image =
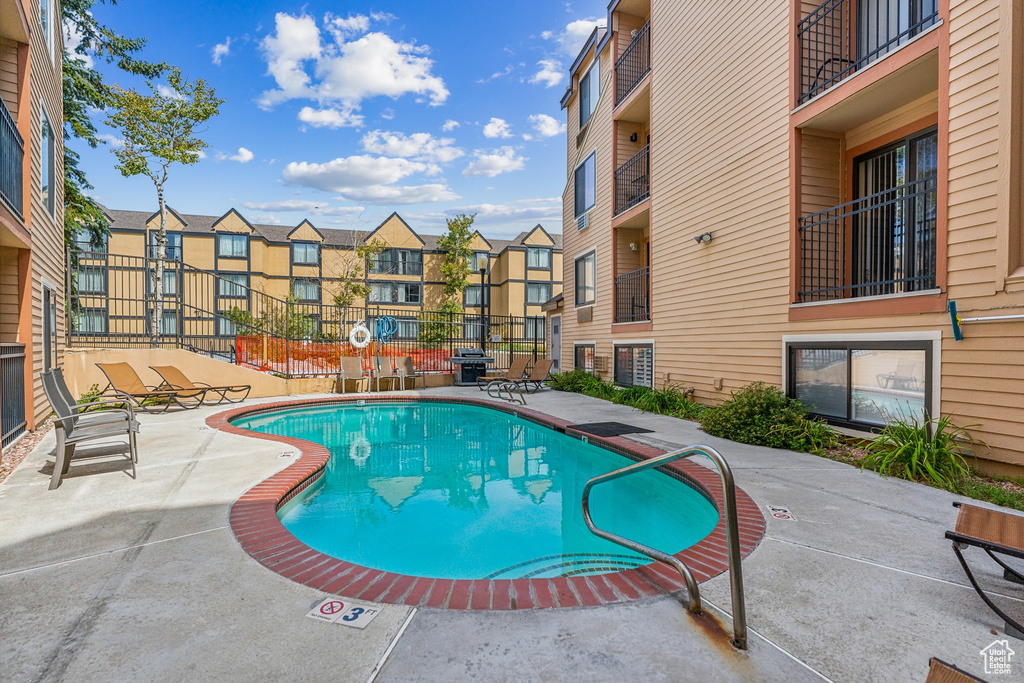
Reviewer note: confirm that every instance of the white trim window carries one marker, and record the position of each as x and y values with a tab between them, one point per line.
590	91
585	185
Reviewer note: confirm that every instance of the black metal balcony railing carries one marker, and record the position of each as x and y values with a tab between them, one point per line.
388	267
633	181
842	36
12	398
632	296
12	153
883	243
633	65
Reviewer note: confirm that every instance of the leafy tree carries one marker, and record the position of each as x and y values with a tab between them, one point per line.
351	284
84	90
160	130
458	256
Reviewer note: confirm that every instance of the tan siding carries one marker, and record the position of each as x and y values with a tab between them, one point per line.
9	75
9	307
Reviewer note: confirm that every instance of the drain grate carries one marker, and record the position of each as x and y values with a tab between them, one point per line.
609	428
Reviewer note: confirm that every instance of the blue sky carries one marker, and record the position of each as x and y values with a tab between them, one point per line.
345	113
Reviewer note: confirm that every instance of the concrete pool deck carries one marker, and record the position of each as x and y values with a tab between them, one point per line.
107	578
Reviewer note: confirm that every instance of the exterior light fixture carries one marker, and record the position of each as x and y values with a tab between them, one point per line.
632	246
632	137
702	238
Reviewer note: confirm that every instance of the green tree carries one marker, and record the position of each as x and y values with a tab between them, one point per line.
84	91
351	284
160	130
458	256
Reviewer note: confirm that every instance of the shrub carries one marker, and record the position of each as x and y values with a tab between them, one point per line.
933	450
582	382
92	394
761	415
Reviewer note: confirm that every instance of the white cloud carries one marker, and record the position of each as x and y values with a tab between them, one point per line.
342	73
330	118
72	39
524	210
399	194
388	114
497	128
570	40
354	24
418	146
355	171
547	126
115	141
221	50
201	154
550	73
500	161
266	218
450	125
244	156
168	91
305	206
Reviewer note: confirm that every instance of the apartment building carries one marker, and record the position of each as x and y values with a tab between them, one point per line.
31	210
795	193
311	265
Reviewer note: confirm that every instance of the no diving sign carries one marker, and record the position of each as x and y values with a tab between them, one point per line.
779	512
335	611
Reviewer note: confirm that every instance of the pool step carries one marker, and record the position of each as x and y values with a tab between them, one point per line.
573	564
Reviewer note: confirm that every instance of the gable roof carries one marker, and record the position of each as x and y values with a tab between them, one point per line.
394	214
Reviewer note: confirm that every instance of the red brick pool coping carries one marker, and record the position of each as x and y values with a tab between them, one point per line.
254	522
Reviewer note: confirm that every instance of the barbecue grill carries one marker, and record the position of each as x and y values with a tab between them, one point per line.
472	365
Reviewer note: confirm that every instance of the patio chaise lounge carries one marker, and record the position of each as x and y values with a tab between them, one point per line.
73	426
175	379
125	383
941	672
505	388
515	371
997	533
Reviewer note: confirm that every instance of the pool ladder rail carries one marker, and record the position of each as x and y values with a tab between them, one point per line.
739	614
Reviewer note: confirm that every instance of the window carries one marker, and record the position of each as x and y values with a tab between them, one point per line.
472	295
538	257
395	293
92	321
398	262
883	25
408	329
586	277
305	254
47	187
173	245
584	357
472	328
863	384
232	285
226	326
92	280
590	91
634	366
481	259
169	322
49	328
47	23
585	186
233	246
83	242
537	293
536	328
306	290
170	281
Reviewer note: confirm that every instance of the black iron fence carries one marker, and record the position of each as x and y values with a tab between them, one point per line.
840	37
883	243
633	181
112	305
633	296
633	64
12	153
12	398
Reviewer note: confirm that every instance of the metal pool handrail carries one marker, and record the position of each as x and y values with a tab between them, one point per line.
739	613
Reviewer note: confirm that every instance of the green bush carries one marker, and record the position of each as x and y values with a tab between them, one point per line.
933	450
668	401
582	382
760	414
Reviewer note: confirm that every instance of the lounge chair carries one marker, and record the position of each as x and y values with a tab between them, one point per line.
516	371
997	533
903	377
508	389
941	672
125	383
73	427
173	378
407	370
385	372
351	371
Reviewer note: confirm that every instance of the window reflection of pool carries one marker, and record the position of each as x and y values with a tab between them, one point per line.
878	406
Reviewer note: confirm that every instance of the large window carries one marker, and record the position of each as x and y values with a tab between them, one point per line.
538	257
226	326
47	187
586	279
84	242
232	285
583	357
590	91
232	246
169	322
398	262
634	366
473	295
305	253
863	384
170	281
92	321
306	290
92	280
884	25
585	185
537	293
173	245
395	293
536	328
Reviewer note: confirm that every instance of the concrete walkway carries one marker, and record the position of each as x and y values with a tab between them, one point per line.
107	578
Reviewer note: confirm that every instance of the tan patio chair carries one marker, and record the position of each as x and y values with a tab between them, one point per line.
407	370
941	672
351	371
385	372
125	383
516	371
175	379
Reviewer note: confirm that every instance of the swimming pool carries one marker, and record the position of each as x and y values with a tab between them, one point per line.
454	491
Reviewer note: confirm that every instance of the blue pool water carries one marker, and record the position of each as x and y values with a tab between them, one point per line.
456	491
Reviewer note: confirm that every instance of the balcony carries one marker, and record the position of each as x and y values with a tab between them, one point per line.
841	37
633	64
389	267
632	296
12	153
633	181
878	245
